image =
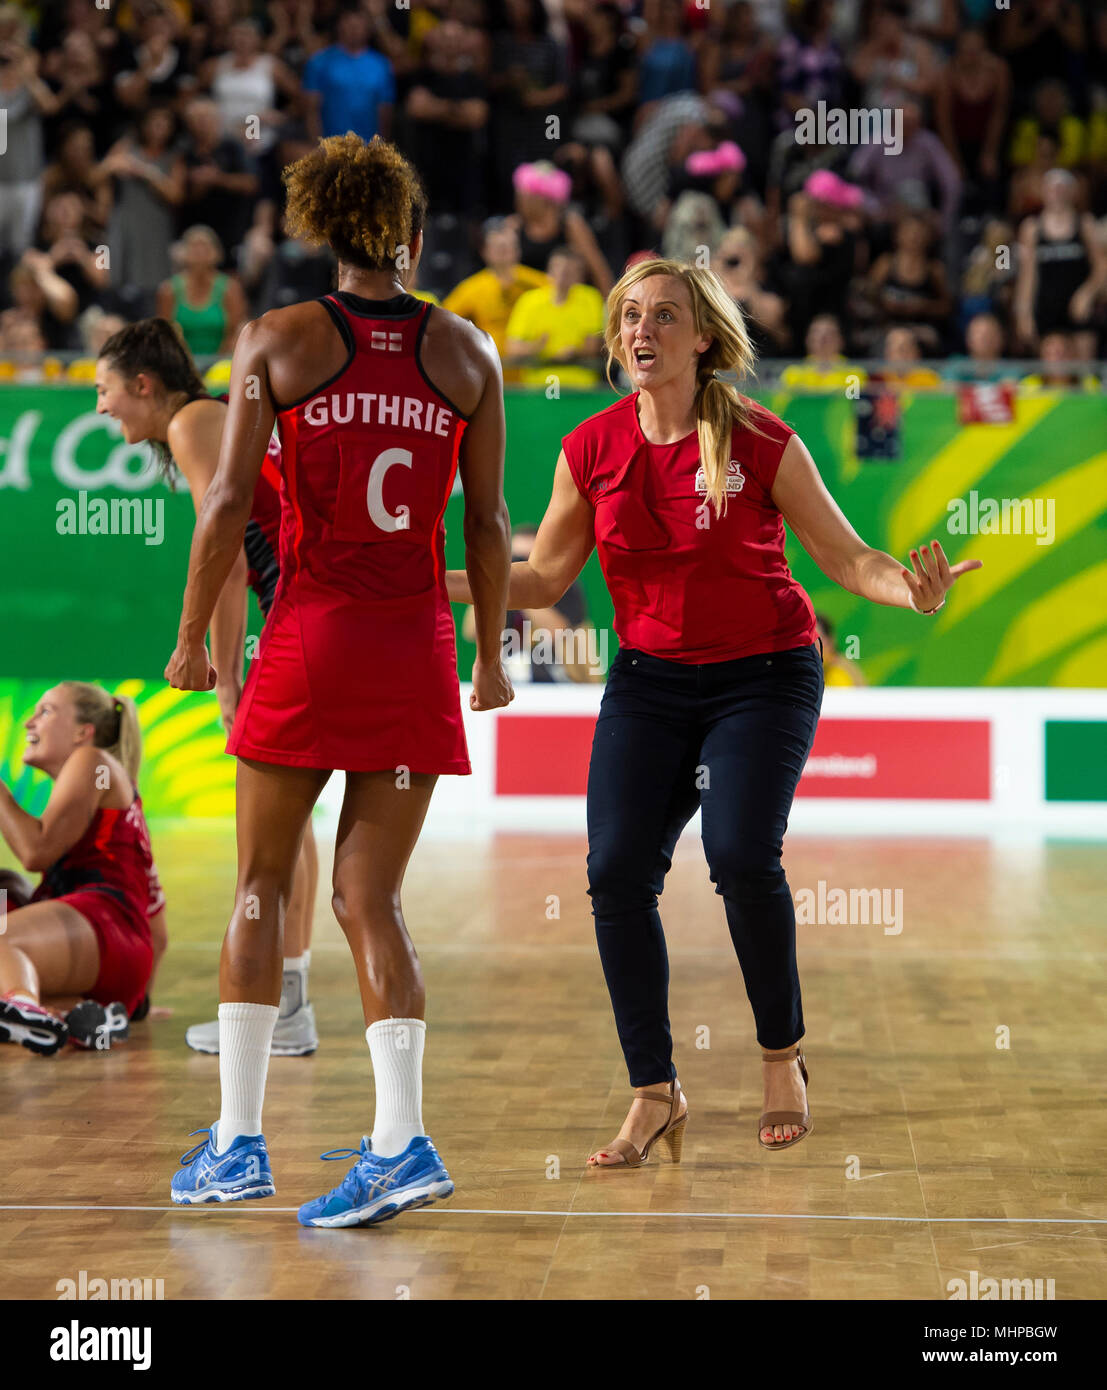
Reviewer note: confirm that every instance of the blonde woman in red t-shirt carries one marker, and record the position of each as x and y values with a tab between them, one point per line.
713	698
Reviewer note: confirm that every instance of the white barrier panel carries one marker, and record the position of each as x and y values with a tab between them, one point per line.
885	761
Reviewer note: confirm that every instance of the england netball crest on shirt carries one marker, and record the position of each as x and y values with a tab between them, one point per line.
735	479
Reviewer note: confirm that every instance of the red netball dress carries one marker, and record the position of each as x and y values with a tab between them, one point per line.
357	665
688	585
110	878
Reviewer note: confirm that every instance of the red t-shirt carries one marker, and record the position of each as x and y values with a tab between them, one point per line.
688	585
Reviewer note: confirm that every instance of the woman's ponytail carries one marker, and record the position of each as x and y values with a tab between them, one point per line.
128	746
114	720
718	408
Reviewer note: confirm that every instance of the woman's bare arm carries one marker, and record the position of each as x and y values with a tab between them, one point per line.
563	544
1026	279
159	940
221	523
1097	255
39	841
583	240
166	301
824	532
487	526
235	308
803	245
194	438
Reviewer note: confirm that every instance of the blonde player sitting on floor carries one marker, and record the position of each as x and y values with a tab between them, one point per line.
94	928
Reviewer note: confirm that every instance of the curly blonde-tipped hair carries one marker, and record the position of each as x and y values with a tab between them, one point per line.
719	405
363	200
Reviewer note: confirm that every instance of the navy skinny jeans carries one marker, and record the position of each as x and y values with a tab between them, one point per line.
730	737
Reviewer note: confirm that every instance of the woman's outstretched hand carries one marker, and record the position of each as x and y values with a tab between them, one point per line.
934	576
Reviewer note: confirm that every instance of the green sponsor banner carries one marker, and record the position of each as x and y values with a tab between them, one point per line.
1075	760
76	598
95	546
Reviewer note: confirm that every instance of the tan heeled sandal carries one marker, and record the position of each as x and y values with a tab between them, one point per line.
672	1132
770	1118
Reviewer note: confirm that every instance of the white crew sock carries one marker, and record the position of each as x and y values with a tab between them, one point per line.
396	1047
294	984
245	1036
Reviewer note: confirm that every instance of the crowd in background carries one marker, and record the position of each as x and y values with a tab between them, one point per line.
557	140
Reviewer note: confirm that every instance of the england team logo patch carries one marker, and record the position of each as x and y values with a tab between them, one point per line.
735	479
381	341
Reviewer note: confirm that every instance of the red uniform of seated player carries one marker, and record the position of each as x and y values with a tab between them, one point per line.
94	928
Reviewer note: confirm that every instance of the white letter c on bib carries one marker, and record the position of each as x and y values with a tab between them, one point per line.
382	517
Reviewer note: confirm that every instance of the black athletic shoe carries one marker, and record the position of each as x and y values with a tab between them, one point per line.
142	1010
36	1028
97	1027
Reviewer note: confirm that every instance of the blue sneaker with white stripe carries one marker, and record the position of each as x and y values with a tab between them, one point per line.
240	1173
377	1189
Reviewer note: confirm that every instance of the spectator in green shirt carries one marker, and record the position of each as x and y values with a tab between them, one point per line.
209	306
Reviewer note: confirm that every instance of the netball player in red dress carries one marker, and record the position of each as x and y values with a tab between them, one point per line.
379	400
713	697
95	925
146	379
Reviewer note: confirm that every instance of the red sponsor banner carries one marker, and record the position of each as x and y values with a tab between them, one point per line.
887	759
900	759
543	754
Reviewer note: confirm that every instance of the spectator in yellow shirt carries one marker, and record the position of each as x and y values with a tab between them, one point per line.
824	368
1058	348
559	323
901	347
488	297
1051	115
837	669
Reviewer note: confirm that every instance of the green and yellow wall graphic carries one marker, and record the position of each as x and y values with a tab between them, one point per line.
185	772
105	606
1036	614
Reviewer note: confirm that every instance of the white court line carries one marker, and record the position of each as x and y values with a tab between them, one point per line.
676	1215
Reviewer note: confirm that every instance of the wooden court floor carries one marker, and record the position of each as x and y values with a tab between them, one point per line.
935	1154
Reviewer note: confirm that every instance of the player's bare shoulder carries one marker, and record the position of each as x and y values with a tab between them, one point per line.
305	323
299	347
458	357
195	425
197	414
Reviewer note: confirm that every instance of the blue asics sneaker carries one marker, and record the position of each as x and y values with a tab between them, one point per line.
242	1172
376	1189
